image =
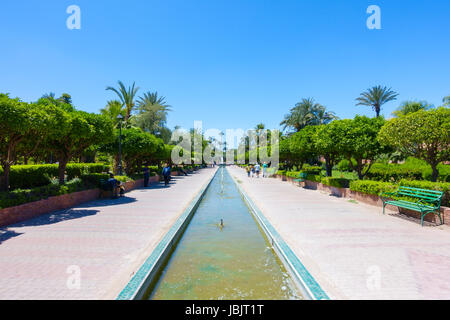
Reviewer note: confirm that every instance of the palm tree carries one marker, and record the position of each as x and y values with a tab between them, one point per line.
113	109
375	97
307	112
152	114
322	116
446	101
126	96
410	107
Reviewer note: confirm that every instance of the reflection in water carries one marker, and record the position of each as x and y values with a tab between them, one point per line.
228	261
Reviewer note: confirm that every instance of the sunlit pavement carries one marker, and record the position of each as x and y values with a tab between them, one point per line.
352	250
91	252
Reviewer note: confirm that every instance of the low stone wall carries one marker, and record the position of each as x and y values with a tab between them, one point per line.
30	210
367	198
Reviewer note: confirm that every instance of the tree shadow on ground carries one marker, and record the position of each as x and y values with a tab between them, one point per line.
107	202
6	234
56	217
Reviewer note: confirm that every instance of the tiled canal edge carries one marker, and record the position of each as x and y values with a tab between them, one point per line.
137	286
309	285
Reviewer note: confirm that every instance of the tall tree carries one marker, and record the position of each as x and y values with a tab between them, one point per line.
126	96
359	142
307	112
410	107
112	110
21	124
152	116
422	134
375	97
446	101
75	132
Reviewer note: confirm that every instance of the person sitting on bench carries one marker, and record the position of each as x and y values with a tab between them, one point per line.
115	186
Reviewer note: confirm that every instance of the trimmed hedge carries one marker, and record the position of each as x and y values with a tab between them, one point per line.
312	170
372	187
21	196
410	171
376	187
292	174
336	182
31	176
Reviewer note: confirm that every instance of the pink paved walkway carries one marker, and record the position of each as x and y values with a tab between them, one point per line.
352	250
105	240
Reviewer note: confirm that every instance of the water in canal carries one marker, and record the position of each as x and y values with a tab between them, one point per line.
231	263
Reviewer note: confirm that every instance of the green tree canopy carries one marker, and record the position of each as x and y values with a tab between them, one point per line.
422	134
359	141
21	124
302	145
408	107
73	133
307	112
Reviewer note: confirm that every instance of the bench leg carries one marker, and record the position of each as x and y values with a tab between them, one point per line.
439	215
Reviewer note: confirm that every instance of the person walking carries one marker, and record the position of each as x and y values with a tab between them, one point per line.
146	176
248	170
257	169
252	169
166	174
265	166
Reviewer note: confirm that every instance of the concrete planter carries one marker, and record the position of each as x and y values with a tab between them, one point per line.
33	209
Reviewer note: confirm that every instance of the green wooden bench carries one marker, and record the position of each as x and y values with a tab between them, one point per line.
301	177
429	201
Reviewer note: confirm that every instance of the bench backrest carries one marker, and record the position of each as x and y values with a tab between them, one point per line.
425	194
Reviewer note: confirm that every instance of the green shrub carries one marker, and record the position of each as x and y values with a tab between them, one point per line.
336	182
292	174
312	170
344	165
439	186
314	177
372	187
411	170
77	169
281	172
94	179
31	176
21	196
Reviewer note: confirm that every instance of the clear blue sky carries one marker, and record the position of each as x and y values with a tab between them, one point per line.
230	63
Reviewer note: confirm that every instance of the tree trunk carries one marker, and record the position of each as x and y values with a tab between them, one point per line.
62	170
435	174
329	166
5	179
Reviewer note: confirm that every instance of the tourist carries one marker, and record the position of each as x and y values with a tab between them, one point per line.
252	169
146	176
248	170
166	174
113	186
265	170
257	169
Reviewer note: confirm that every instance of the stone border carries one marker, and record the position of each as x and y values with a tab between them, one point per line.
368	199
304	280
138	285
30	210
